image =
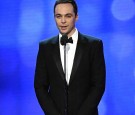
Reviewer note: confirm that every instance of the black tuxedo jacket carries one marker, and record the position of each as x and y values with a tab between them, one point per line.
87	80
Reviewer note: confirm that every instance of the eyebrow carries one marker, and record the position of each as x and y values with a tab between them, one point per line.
64	14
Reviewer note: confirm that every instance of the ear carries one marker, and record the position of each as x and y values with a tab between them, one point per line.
76	18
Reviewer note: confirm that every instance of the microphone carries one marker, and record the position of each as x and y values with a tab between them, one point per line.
64	39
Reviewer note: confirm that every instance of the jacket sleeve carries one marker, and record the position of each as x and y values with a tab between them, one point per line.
41	85
89	106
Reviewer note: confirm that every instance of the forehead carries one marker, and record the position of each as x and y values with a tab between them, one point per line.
64	8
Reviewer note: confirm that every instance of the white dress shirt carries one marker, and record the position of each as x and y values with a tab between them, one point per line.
70	54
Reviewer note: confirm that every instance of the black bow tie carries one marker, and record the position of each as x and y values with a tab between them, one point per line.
70	40
64	40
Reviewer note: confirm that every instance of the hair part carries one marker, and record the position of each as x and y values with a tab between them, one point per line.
67	1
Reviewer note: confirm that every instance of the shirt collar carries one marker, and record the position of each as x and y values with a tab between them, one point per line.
74	36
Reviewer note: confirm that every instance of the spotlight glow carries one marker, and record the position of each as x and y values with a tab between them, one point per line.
123	9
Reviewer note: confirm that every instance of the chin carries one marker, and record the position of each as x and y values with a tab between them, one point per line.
63	32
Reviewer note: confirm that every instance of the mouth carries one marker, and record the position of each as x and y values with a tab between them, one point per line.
63	27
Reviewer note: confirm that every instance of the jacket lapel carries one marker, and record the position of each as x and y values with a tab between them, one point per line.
57	58
78	56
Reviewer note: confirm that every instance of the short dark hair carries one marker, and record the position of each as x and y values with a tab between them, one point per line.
67	1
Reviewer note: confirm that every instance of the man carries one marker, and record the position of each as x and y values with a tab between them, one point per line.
85	73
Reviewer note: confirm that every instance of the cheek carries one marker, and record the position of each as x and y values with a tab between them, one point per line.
72	22
57	22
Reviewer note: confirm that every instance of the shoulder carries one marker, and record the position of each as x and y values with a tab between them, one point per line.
90	39
49	41
93	43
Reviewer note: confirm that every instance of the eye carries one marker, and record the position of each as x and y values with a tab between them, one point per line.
68	16
58	16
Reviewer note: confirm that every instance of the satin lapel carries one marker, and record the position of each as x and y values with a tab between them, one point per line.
57	59
78	56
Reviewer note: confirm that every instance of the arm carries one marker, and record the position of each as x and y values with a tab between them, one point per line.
41	84
97	81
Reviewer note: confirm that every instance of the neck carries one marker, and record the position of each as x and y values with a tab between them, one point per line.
71	33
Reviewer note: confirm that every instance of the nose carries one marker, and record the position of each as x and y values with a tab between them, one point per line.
63	20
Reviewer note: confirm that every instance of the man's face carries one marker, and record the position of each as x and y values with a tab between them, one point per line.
65	18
